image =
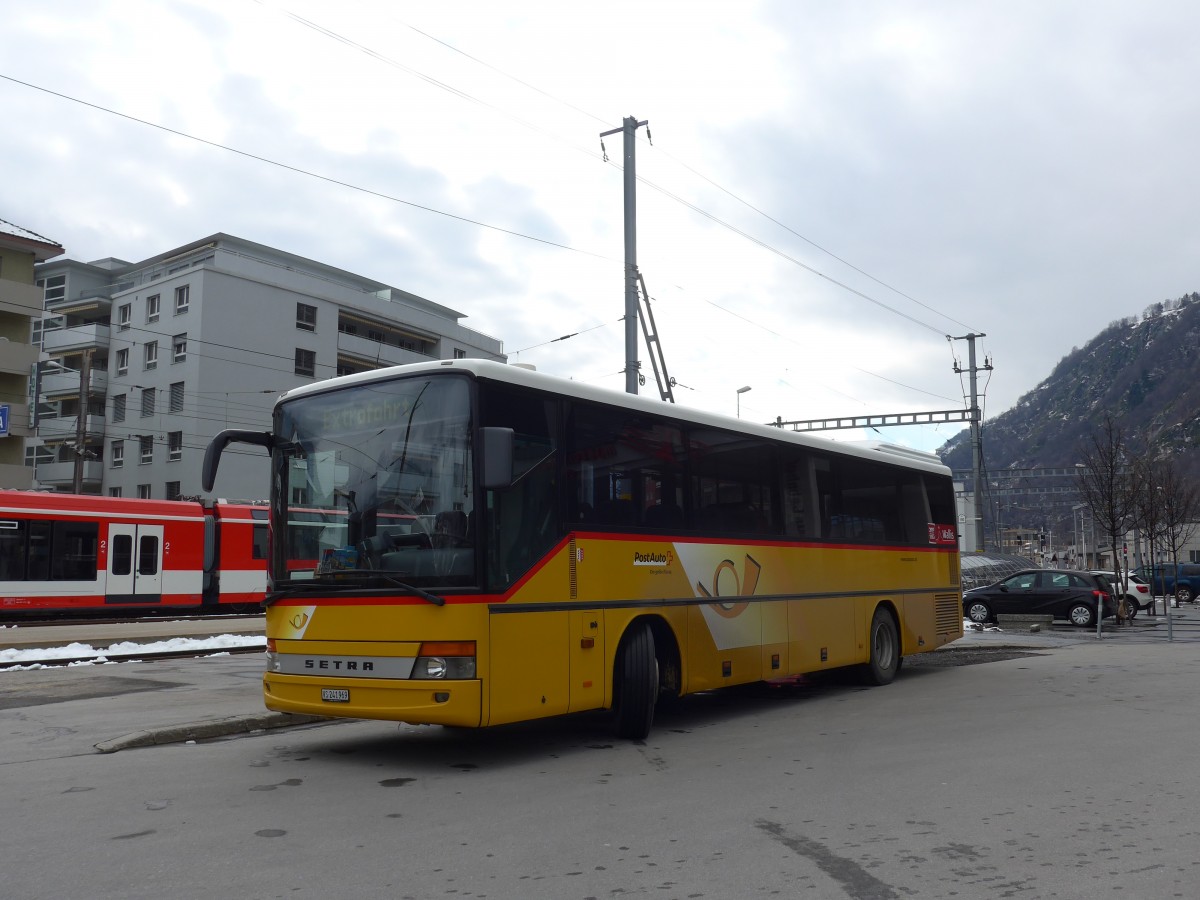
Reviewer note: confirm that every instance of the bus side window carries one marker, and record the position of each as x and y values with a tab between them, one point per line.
522	519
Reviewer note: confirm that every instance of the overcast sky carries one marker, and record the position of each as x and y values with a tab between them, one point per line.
831	188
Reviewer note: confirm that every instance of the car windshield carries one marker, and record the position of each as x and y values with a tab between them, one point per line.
375	485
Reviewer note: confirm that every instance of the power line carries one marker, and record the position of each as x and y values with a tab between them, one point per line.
300	171
695	172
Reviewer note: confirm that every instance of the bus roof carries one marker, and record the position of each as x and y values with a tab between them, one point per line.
879	451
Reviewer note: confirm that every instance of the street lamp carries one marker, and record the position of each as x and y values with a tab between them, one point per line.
741	391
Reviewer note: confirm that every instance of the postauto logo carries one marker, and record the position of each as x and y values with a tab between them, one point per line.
653	558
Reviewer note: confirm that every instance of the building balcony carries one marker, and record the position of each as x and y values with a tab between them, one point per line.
18	420
15	476
88	303
64	428
66	384
28	297
75	340
375	353
15	358
62	474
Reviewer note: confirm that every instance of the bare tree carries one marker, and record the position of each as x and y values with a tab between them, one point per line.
1150	475
1180	508
1106	486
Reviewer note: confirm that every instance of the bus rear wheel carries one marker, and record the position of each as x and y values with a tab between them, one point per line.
636	683
884	639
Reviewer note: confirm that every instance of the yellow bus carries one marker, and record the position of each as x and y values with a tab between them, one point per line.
468	543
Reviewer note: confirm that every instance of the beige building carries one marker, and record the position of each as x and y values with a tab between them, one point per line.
20	307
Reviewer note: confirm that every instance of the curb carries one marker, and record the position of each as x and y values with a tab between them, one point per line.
197	731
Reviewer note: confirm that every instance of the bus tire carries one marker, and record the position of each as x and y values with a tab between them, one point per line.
636	683
884	642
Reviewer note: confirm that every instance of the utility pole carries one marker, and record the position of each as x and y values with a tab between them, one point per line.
81	420
629	129
976	432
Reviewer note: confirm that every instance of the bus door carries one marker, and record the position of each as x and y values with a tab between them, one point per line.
135	556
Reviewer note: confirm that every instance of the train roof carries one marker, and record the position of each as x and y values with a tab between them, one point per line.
879	451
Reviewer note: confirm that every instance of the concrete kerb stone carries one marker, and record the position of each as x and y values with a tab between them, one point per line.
1028	621
198	731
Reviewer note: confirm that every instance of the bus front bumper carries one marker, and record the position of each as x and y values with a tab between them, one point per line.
418	702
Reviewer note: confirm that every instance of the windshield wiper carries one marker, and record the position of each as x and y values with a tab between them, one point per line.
294	587
391	579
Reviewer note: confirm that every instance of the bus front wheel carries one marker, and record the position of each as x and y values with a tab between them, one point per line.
884	639
636	685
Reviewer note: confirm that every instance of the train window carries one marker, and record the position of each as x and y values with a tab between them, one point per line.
12	551
38	552
74	554
258	548
122	554
148	555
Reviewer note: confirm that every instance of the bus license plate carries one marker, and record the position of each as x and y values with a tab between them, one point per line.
335	695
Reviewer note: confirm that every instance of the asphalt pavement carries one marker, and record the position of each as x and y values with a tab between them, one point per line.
67	711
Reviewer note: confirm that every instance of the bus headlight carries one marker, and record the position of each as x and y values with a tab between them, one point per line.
445	660
445	667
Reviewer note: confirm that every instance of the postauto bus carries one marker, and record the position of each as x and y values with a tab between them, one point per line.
468	543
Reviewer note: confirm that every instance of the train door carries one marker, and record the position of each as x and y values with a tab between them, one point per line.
135	556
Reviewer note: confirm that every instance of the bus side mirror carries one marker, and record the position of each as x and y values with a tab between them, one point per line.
212	455
496	457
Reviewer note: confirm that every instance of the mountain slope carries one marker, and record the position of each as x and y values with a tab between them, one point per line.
1142	371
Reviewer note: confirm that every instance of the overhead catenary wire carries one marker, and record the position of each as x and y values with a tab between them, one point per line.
478	223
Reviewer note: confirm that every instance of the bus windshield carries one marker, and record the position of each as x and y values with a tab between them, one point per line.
375	486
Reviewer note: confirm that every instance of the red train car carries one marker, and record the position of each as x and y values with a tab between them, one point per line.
63	553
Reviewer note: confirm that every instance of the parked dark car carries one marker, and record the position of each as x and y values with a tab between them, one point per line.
1183	580
1062	593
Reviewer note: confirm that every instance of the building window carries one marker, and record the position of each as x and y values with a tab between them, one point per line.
460	354
119	408
146	448
179	348
306	362
148	402
373	335
151	361
117	454
174	446
124	315
123	361
176	400
143	492
182	298
172	490
55	287
306	317
114	492
153	303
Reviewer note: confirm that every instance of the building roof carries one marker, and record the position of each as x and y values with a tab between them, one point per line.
15	237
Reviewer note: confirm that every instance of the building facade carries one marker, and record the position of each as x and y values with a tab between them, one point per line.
20	308
145	362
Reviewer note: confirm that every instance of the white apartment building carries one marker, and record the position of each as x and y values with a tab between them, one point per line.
20	305
158	356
